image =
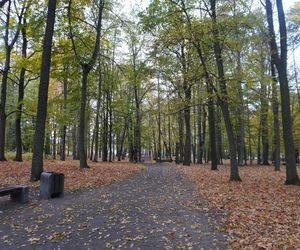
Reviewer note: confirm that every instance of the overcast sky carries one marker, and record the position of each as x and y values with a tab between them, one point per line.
129	4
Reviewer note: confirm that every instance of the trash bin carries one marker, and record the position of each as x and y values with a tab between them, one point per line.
51	185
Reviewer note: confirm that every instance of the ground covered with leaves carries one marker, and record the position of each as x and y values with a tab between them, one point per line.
18	173
263	213
152	209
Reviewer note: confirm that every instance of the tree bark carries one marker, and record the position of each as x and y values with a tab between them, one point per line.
281	65
82	151
18	156
38	146
241	116
264	112
187	118
200	146
64	128
86	68
223	100
74	139
54	143
275	105
97	123
212	129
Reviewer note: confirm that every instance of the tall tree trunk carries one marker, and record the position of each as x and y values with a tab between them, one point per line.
82	150
92	147
275	105
212	129
47	144
105	132
86	68
18	156
203	150
223	100
180	130
281	65
169	134
187	118
249	135
97	123
54	143
8	49
64	128
110	132
259	145
3	105
200	145
38	145
74	139
264	113
219	138
122	141
159	121
241	116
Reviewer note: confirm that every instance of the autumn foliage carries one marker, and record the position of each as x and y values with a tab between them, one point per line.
262	213
99	174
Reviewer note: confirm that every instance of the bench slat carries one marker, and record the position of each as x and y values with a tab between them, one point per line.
9	190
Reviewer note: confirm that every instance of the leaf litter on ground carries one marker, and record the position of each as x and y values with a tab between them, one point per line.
262	212
99	174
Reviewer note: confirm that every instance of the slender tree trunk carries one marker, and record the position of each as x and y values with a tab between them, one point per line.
223	100
105	132
200	146
219	138
64	128
86	68
194	136
203	150
249	135
259	145
169	135
264	113
281	65
47	143
92	147
122	141
212	129
187	118
82	151
97	123
54	143
8	49
74	139
3	105
18	156
110	143
38	145
275	105
241	117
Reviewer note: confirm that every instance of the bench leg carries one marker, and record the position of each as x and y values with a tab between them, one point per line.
22	197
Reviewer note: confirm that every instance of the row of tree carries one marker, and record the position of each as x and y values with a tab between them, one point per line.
167	82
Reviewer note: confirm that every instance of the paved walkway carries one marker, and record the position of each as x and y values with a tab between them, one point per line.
153	209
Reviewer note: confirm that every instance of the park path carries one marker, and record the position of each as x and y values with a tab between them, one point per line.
153	209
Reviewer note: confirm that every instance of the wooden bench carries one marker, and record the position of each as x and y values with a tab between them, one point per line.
17	193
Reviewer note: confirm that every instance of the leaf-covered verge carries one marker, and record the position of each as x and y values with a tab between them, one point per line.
263	213
18	173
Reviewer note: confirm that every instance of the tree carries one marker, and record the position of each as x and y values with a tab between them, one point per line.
86	67
5	74
223	98
280	61
21	96
39	136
